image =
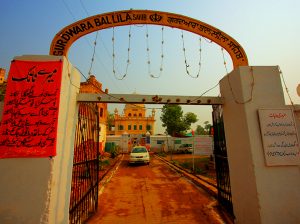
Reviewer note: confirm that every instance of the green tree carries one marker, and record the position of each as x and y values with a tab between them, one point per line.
200	130
203	130
207	126
110	122
175	121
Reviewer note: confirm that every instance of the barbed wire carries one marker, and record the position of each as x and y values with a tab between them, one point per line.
185	59
161	56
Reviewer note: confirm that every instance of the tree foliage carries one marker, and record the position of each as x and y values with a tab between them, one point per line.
110	121
175	121
200	130
207	126
203	130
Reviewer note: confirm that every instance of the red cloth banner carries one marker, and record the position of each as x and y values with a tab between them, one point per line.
29	123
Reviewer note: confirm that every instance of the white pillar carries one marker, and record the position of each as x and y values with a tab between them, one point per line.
260	194
63	162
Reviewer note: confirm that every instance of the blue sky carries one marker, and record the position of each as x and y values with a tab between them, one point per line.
268	31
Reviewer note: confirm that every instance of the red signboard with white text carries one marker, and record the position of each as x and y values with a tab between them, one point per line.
29	123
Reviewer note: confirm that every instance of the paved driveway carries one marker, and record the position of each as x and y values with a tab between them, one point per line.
153	194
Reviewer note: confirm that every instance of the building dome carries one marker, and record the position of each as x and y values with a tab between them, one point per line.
134	106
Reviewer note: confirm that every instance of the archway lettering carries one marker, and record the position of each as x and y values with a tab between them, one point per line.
67	36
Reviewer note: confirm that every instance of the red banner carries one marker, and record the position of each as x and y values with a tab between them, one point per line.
29	123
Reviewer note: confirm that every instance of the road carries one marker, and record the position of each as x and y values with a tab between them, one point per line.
152	194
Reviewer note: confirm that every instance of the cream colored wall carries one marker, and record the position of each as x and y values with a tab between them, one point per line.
38	190
132	122
102	137
23	191
260	194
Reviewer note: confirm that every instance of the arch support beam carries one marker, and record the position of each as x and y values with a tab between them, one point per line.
149	99
67	36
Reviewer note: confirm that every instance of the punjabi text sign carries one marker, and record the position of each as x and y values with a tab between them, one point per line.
64	39
280	138
29	124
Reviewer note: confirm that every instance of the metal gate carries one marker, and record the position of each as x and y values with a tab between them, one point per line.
221	161
85	177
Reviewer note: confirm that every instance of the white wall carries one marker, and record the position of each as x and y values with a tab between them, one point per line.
102	137
260	194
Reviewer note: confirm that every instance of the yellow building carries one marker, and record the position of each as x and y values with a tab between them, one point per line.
2	86
2	75
134	120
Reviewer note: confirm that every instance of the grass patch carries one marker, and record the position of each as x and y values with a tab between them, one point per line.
201	164
103	163
162	154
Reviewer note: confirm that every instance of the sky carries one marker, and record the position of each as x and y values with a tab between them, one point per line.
267	30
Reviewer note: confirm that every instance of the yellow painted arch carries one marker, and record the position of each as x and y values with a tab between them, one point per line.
67	36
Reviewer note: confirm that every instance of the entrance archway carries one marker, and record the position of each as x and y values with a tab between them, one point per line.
247	91
67	36
64	39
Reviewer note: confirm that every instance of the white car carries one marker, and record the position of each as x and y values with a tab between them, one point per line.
185	148
139	154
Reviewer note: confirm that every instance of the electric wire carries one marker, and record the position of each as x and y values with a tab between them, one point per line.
224	61
93	55
251	90
286	88
84	8
86	12
110	95
107	51
230	86
68	9
104	67
206	91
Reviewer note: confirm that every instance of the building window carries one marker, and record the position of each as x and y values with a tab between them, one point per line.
134	127
121	127
129	127
134	115
141	127
148	127
101	112
140	114
129	115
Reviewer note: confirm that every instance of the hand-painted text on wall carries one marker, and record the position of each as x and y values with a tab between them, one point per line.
29	124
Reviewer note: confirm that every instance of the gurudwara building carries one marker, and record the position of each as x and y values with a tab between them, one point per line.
2	75
134	120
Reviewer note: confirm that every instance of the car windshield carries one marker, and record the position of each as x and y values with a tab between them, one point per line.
139	149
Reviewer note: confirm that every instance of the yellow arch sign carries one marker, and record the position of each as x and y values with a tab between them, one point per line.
67	36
